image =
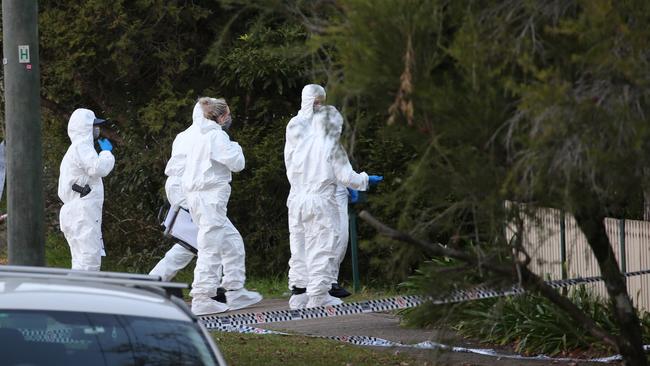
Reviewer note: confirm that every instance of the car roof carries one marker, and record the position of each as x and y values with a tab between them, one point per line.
56	291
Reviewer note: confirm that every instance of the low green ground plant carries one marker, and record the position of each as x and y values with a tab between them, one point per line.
529	323
533	325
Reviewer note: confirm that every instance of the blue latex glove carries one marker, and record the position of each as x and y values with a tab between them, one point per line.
374	179
354	195
105	145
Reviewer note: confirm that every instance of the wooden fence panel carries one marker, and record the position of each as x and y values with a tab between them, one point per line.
637	248
542	240
541	233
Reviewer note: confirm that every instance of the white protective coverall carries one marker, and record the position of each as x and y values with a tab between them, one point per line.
318	165
297	131
81	218
206	181
178	257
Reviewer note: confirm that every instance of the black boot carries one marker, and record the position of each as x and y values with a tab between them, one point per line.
338	291
221	295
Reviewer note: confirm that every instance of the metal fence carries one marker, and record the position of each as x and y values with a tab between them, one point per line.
558	249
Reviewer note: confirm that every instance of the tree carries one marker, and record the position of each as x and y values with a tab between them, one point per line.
540	102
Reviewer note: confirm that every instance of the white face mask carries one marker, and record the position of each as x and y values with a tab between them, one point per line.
95	132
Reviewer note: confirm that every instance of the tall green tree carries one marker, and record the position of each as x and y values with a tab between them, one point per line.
536	101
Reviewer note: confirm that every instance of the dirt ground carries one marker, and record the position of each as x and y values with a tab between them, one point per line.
387	326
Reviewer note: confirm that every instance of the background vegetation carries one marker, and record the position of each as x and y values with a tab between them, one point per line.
459	104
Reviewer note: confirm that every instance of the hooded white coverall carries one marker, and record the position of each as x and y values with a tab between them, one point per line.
317	166
297	131
81	218
206	179
178	257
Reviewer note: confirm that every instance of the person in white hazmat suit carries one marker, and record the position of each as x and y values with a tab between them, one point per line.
316	164
297	130
313	96
81	189
178	257
206	181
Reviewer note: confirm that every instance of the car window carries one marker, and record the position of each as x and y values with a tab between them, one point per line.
74	338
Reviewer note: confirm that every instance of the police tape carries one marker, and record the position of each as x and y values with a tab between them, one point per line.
426	345
214	322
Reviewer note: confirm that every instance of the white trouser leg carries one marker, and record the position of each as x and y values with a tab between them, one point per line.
208	211
80	222
298	274
233	257
174	260
321	238
207	272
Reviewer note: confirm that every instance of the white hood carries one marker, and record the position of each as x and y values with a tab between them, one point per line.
199	120
183	145
299	129
197	115
309	94
80	126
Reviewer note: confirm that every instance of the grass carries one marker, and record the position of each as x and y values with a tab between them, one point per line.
253	349
57	254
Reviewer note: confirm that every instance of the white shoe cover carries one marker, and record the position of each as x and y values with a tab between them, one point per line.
238	299
205	305
323	300
298	301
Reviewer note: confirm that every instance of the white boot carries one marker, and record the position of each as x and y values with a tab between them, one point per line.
323	300
238	299
298	301
205	305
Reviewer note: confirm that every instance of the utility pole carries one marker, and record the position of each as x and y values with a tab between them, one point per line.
25	227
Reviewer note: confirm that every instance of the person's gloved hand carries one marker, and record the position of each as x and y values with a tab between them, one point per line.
105	144
374	179
354	195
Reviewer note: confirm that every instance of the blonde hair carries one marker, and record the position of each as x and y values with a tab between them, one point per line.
213	107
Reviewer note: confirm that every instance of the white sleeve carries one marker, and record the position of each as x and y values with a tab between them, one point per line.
228	153
96	166
294	132
343	171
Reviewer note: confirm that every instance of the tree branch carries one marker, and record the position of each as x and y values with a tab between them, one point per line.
436	248
529	280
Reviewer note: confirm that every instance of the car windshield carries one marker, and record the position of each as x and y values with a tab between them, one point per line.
74	338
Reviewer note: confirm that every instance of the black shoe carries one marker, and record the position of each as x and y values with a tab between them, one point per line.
338	291
298	290
221	295
175	292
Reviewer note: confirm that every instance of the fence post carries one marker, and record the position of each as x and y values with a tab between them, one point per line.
563	245
354	249
621	233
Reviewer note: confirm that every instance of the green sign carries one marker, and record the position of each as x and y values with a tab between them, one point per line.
23	54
